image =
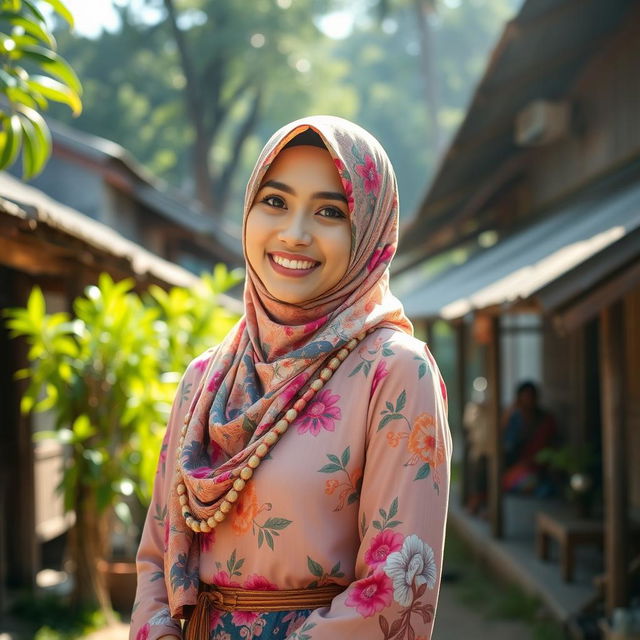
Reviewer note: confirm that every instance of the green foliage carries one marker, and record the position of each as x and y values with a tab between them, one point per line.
50	617
109	374
31	75
570	459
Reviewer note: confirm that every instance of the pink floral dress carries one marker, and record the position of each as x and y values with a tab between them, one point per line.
355	494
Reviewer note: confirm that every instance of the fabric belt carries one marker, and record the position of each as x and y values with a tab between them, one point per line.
235	599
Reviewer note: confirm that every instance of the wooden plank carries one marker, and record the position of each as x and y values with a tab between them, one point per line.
612	391
461	384
590	305
495	411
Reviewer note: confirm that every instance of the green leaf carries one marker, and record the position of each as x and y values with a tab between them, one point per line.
36	12
248	425
333	458
315	568
335	571
346	455
387	352
389	406
54	90
353	373
422	369
10	141
50	62
277	523
393	523
330	468
260	538
353	497
388	418
269	539
423	471
61	9
34	152
401	401
393	509
30	27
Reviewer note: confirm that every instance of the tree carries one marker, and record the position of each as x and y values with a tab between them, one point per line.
193	94
108	376
27	52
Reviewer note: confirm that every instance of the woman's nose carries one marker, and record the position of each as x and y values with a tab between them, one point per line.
294	230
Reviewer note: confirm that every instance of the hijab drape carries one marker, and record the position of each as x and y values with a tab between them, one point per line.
263	363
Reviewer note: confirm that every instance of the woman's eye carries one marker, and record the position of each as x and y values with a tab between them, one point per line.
274	201
331	212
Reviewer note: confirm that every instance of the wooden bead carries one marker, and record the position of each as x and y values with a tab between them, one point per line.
361	336
253	462
183	499
238	485
204	526
246	473
225	506
291	415
185	512
212	522
181	489
352	344
326	374
195	525
316	385
218	516
189	521
342	354
232	494
262	450
334	363
281	427
308	394
299	404
271	438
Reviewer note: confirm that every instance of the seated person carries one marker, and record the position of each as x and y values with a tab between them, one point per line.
528	428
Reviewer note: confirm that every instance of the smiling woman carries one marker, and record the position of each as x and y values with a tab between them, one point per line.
298	233
311	448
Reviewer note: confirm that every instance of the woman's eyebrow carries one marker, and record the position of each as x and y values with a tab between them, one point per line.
278	185
323	195
330	195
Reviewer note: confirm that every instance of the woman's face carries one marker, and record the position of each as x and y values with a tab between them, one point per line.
298	233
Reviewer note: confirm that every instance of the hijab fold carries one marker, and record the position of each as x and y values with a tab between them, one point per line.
261	366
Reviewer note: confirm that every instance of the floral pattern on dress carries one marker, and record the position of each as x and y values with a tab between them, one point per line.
321	413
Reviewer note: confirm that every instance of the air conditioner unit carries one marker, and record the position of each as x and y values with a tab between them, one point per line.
542	122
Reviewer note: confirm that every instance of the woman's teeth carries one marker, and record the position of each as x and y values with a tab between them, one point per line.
293	264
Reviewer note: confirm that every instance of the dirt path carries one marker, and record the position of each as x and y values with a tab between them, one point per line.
455	621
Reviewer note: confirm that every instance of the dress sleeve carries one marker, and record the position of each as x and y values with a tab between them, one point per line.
402	511
150	618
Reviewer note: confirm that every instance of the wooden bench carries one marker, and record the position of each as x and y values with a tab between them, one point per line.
569	532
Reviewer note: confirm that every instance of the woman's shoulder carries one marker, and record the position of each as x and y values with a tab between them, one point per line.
399	347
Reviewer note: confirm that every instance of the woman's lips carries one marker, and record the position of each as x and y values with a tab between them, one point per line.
294	273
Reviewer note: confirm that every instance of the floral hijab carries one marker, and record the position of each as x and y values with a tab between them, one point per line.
253	376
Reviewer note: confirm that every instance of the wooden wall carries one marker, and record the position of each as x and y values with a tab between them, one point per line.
632	344
606	96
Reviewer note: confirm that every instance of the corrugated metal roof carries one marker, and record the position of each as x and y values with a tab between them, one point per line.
526	262
33	204
538	55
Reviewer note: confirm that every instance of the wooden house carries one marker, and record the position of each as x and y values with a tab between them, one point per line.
91	211
523	260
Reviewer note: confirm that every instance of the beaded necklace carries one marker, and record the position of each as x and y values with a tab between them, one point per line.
268	441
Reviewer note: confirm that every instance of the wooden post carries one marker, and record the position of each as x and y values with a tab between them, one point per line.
614	443
494	380
461	378
19	501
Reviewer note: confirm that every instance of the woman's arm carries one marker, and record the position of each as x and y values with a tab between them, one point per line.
402	512
150	618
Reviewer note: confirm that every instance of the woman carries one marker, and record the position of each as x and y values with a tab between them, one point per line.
305	470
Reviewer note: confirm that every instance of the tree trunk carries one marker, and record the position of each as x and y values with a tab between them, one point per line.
429	79
88	546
